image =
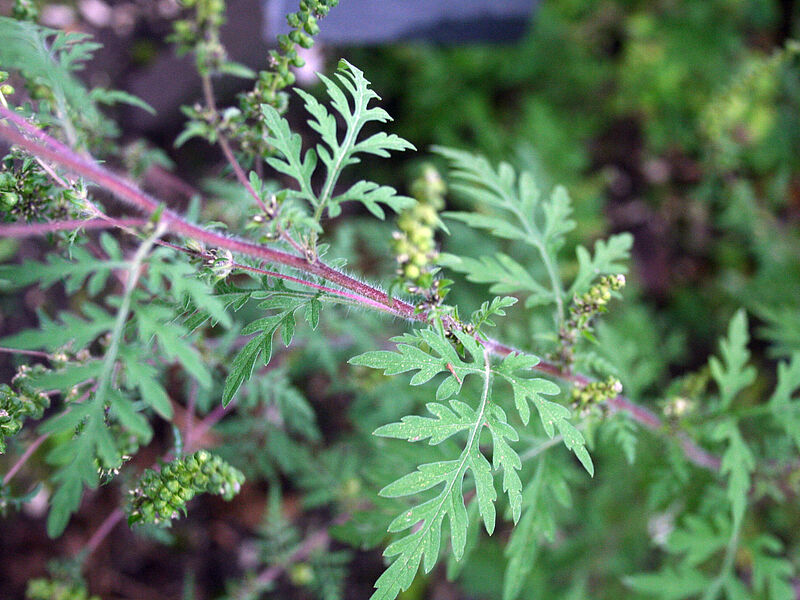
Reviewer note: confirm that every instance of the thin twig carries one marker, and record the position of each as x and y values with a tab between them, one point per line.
129	193
24	458
32	229
208	92
36	353
106	527
318	539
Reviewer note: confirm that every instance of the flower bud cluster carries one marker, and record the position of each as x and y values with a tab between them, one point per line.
200	34
584	308
595	393
594	301
19	403
219	263
414	245
5	88
161	497
25	10
53	589
27	193
278	75
679	407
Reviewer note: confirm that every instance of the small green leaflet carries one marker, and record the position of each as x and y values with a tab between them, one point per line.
732	373
737	463
441	357
670	583
505	275
283	307
70	331
422	544
786	411
552	414
698	539
334	154
72	272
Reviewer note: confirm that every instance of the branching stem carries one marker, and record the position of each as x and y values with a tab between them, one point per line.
51	149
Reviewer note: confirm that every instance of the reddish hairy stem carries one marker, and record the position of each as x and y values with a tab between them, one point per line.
36	353
128	192
24	458
19	230
208	92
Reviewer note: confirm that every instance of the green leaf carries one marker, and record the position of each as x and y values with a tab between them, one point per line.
505	275
670	584
609	259
284	307
772	575
447	423
425	361
532	389
422	544
112	97
786	411
522	546
49	57
737	463
153	321
505	458
350	96
69	331
76	458
732	373
72	272
698	539
523	216
143	376
370	195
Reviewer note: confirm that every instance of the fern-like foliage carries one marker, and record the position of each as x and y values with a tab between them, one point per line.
49	57
429	354
350	98
517	211
282	304
104	417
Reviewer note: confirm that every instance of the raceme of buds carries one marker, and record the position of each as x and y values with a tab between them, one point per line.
583	309
414	245
595	393
53	589
279	75
161	497
19	404
200	34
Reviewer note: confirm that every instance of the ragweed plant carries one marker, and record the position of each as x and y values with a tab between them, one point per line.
175	326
